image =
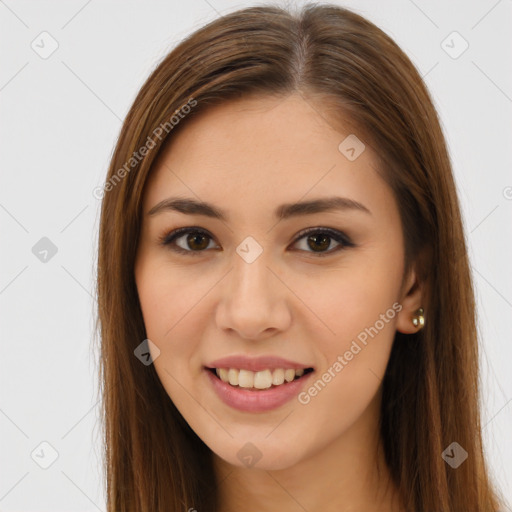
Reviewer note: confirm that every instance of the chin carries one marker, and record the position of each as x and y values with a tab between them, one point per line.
260	455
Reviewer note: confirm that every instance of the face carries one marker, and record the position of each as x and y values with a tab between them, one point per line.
309	295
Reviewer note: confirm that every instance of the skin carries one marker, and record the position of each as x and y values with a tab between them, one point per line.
248	157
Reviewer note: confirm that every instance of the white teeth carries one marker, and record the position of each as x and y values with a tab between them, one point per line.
289	375
223	374
263	380
246	379
259	380
278	377
233	376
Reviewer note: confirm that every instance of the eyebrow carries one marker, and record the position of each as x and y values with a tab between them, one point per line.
285	211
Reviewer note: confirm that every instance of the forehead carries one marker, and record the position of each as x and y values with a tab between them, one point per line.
264	150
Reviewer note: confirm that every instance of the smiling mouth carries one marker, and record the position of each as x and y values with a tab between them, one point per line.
256	381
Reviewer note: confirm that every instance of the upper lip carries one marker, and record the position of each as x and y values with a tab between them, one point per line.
256	364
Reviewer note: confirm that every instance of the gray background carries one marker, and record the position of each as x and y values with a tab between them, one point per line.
60	117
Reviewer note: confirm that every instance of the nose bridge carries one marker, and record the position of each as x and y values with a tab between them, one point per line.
251	277
251	302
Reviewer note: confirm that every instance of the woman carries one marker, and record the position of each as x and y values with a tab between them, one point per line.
285	303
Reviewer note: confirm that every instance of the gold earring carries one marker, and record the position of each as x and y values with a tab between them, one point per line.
418	320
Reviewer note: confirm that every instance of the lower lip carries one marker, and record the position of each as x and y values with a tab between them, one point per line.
258	400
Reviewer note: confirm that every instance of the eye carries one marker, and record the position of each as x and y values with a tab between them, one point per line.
182	238
320	238
192	240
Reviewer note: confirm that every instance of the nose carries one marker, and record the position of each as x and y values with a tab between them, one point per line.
254	301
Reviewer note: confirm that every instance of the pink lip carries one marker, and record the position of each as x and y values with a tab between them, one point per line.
256	364
256	400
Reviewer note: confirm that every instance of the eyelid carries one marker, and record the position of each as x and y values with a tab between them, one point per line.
168	238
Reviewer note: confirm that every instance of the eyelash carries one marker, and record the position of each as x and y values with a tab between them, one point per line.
168	238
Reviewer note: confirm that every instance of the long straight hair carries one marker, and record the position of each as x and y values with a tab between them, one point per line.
351	72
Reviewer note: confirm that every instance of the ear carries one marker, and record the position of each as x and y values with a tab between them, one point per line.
411	300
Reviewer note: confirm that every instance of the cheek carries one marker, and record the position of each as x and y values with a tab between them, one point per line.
351	299
168	304
358	304
354	359
163	296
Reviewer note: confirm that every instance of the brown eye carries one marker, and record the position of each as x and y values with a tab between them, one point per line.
187	241
320	240
196	241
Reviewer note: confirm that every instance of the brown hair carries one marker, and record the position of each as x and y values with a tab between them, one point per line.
350	71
